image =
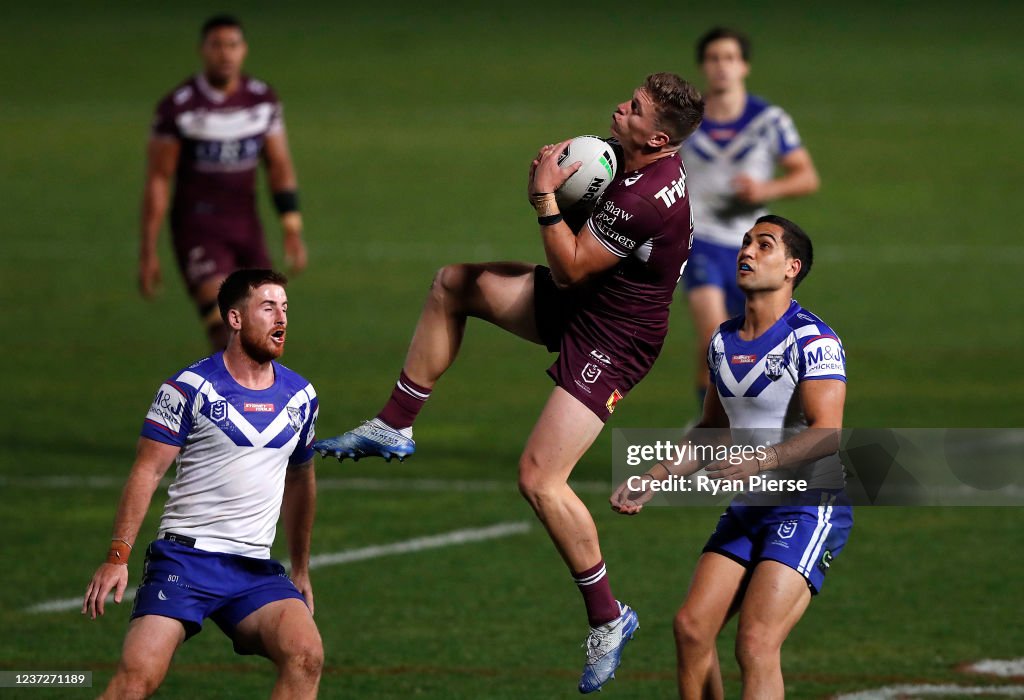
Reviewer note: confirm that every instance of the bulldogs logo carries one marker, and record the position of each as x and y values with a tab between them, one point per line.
296	416
773	367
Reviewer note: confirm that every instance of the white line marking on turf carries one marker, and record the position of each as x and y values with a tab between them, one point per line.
1004	668
56	482
416	544
908	692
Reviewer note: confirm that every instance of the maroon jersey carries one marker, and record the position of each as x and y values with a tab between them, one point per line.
221	141
644	218
609	334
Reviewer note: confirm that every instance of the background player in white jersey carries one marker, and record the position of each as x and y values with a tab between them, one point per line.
210	135
603	304
239	425
732	159
779	376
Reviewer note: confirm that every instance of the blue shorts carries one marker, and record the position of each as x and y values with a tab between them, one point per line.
806	538
190	585
715	265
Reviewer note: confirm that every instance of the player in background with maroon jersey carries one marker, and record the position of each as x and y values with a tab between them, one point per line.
602	303
209	136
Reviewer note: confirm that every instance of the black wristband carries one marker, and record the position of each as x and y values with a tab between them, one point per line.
287	201
549	220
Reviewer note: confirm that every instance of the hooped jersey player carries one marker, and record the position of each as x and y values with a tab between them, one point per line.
719	151
222	139
236	445
757	383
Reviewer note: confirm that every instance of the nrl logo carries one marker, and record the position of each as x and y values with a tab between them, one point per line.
590	373
787	529
218	411
773	367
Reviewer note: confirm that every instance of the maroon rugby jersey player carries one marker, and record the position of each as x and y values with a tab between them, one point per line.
209	135
601	302
612	329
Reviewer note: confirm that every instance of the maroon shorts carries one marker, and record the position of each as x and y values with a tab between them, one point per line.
599	360
209	246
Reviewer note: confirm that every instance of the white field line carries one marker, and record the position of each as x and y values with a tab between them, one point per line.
57	482
909	692
1004	668
416	544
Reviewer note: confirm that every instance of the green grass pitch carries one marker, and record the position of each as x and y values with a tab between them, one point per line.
412	128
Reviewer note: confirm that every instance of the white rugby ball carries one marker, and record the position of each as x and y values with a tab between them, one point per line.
584	186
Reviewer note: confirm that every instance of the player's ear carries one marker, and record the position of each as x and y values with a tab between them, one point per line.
235	319
658	140
793	267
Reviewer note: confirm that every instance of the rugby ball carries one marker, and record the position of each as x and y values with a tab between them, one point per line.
581	190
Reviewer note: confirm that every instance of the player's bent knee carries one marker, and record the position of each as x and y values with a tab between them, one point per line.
536	483
692	630
307	661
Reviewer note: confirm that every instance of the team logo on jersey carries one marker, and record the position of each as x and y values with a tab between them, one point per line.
218	411
612	400
601	357
295	417
629	181
743	359
590	373
773	367
716	357
787	529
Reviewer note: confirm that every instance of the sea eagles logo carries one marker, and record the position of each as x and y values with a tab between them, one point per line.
590	373
295	417
787	529
773	367
218	411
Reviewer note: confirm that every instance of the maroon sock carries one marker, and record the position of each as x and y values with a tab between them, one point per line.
597	594
405	403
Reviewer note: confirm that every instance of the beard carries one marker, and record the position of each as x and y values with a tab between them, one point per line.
259	347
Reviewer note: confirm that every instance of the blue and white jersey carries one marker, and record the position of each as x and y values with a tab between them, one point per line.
236	445
719	151
757	382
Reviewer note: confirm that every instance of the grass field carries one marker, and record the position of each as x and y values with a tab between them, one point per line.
412	128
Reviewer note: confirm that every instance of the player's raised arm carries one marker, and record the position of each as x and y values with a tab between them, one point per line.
573	259
162	161
284	189
152	459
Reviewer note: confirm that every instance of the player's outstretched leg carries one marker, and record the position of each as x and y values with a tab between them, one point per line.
500	293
